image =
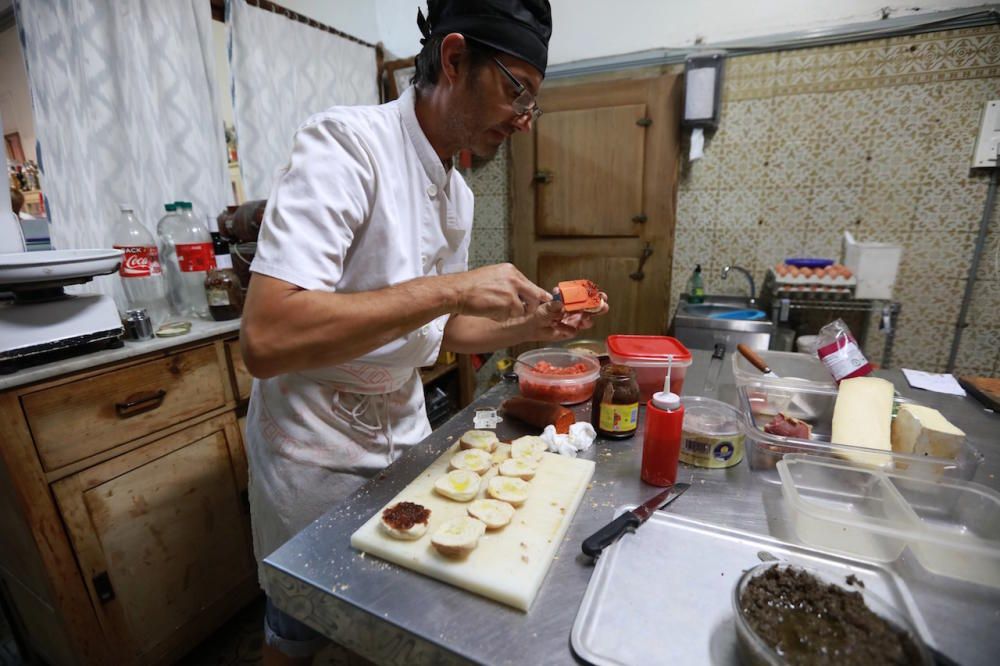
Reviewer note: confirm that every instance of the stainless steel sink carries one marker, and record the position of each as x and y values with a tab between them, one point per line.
694	326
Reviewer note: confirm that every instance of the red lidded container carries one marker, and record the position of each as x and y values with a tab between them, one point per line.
650	356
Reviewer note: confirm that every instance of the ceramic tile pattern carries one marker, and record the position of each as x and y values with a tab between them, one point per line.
490	242
875	137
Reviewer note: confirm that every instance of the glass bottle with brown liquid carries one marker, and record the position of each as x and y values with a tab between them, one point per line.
222	284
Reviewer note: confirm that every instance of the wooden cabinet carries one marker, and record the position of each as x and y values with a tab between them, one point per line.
126	527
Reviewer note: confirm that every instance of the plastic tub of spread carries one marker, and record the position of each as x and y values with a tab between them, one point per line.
650	356
952	526
711	435
557	375
764	449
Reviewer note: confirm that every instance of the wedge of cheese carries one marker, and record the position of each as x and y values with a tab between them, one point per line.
925	432
862	416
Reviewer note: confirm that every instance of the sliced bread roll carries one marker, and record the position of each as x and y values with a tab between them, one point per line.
405	520
478	439
522	468
501	453
460	485
508	489
459	536
474	460
529	446
494	513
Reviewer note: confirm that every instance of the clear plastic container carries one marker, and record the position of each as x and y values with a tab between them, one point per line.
566	389
711	435
761	400
952	526
798	370
754	650
650	356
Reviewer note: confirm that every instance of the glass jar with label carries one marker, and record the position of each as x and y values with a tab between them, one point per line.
222	285
614	412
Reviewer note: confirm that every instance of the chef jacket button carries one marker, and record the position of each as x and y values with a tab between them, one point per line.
439	264
432	190
440	325
423	260
424	330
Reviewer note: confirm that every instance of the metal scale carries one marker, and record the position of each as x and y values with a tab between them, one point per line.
39	322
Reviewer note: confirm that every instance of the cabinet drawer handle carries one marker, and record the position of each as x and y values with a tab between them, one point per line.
137	403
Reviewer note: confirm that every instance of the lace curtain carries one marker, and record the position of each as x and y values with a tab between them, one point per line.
284	71
125	111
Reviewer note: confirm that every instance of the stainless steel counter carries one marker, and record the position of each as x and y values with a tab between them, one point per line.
395	616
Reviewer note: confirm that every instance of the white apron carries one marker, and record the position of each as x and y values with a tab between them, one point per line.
364	203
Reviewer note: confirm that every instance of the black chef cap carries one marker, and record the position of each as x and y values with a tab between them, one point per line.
520	28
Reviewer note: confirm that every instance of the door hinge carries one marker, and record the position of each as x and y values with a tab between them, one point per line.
644	122
543	177
102	586
640	218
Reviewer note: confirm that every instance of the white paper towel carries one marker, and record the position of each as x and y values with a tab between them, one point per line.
697	144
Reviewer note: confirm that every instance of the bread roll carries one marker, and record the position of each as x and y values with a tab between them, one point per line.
529	446
460	485
459	536
494	513
405	520
508	489
521	468
474	460
478	439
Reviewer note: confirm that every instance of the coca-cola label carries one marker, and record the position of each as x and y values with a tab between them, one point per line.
138	262
195	257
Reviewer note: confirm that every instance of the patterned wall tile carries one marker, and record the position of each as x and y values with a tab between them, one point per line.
976	353
875	137
957	208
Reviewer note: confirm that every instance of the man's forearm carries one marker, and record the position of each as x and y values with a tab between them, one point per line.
474	335
286	329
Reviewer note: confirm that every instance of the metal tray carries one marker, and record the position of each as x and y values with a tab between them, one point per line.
664	593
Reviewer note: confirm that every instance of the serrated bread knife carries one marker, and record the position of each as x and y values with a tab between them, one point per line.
629	521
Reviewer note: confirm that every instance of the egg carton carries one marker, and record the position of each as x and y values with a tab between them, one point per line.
809	285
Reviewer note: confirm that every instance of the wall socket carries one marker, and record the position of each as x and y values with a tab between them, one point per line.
988	143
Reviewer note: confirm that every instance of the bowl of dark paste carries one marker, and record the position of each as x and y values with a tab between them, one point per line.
789	614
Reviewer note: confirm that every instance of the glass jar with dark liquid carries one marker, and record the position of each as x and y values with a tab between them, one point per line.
614	411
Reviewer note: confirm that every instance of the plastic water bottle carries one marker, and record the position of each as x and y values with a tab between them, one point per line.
186	249
140	270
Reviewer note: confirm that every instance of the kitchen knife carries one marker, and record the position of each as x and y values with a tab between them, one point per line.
630	520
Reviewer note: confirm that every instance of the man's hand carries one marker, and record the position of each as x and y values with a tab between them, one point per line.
550	322
499	292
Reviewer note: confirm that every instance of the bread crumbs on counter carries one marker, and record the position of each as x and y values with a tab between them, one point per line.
524	558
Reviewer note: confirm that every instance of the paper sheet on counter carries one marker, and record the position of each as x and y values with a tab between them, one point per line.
929	381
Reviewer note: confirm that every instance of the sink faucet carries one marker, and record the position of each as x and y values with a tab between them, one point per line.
753	291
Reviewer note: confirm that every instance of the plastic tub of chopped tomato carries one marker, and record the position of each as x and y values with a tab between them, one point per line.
557	375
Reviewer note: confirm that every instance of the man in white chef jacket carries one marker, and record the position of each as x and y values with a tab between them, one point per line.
361	274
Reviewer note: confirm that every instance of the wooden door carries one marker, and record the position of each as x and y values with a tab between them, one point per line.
594	187
162	536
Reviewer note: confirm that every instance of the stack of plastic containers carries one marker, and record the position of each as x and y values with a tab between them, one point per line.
951	526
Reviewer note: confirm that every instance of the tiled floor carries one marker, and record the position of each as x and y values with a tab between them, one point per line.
238	642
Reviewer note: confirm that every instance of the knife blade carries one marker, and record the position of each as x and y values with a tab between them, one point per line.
630	520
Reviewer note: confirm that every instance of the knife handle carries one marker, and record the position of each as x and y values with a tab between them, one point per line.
755	360
607	535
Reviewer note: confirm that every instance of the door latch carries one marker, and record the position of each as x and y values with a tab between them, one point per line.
102	586
644	122
647	252
542	177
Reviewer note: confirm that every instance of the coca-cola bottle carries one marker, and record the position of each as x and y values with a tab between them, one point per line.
140	271
186	249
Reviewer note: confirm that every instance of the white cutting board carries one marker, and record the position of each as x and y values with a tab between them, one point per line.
509	564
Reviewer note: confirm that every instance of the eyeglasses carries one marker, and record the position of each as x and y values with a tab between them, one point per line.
525	101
